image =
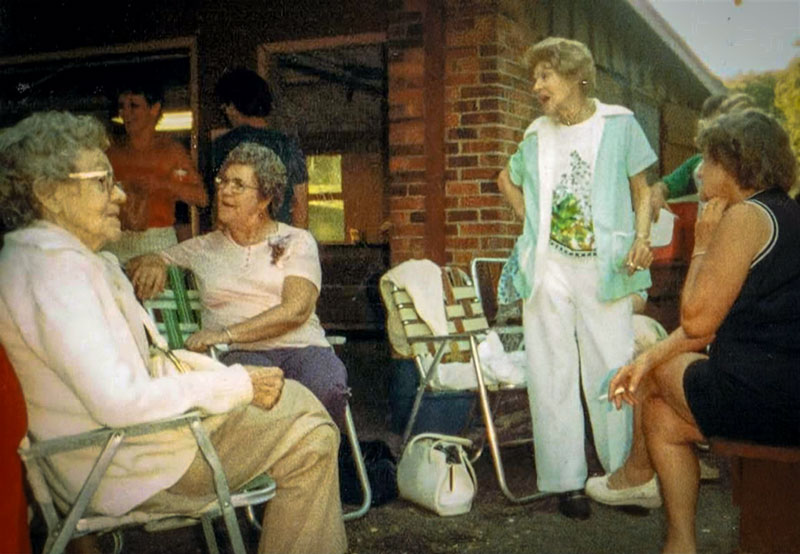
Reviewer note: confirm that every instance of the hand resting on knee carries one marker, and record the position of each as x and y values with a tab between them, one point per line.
267	385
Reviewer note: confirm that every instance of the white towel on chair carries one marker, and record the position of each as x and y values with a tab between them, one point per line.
422	280
499	367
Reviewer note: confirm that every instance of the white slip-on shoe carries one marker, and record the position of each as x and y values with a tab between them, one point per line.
646	495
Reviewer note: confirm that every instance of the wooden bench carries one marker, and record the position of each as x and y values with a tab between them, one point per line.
766	487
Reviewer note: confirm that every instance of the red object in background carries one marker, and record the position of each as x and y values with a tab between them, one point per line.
14	536
680	249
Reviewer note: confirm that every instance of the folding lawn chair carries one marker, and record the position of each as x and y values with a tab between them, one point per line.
177	313
411	336
67	520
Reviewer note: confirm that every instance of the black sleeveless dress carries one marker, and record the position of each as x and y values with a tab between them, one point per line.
749	388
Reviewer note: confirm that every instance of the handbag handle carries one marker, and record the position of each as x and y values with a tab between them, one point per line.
470	469
438	437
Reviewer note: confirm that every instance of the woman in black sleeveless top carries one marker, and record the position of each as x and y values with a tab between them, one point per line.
741	296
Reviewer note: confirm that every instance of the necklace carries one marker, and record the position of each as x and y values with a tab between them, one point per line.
583	113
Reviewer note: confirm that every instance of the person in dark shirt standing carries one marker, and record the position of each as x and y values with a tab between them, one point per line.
246	100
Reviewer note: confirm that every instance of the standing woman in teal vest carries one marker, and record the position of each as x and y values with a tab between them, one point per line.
577	180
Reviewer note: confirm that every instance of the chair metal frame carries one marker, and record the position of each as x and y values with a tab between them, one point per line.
76	522
475	327
177	313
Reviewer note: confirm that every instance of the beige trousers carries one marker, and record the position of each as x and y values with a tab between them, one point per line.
297	444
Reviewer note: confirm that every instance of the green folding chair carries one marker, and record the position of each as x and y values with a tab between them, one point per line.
177	313
177	310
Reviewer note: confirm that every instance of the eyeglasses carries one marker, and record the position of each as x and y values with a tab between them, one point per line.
103	176
236	185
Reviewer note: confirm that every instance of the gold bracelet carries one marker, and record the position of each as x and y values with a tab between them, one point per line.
228	334
644	238
698	253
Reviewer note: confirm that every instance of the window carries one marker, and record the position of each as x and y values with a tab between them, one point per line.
331	93
325	201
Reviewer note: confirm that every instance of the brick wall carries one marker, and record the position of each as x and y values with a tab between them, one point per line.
406	132
488	105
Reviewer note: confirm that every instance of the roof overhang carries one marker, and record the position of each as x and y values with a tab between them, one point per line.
677	45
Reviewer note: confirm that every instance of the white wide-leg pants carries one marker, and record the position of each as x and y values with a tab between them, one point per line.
573	340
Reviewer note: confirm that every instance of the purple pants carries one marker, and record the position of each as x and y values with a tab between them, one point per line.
316	367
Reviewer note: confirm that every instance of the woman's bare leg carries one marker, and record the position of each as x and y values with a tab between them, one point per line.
670	432
637	468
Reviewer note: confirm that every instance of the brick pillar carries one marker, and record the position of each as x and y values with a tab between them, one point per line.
488	105
405	67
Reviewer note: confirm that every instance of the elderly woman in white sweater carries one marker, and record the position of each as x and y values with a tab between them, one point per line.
73	331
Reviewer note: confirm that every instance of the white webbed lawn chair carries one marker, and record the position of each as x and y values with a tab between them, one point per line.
461	327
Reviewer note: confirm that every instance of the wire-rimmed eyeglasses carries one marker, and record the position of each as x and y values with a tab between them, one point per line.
236	186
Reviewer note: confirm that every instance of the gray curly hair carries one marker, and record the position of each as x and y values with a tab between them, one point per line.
41	150
268	168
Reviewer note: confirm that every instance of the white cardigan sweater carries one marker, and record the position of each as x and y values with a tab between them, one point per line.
72	330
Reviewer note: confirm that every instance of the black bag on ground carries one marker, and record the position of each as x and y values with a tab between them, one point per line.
381	472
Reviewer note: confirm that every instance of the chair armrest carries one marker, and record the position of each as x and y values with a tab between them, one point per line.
336	340
508	329
100	436
444	338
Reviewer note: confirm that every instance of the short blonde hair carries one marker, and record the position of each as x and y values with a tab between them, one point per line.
569	58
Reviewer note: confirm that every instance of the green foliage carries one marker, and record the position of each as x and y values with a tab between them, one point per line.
761	88
787	100
777	93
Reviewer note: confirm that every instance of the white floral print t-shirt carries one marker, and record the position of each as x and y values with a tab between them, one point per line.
571	229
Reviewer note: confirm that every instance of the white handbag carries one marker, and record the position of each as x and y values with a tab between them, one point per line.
435	472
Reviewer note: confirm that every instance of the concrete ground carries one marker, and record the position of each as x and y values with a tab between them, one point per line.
496	525
493	524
